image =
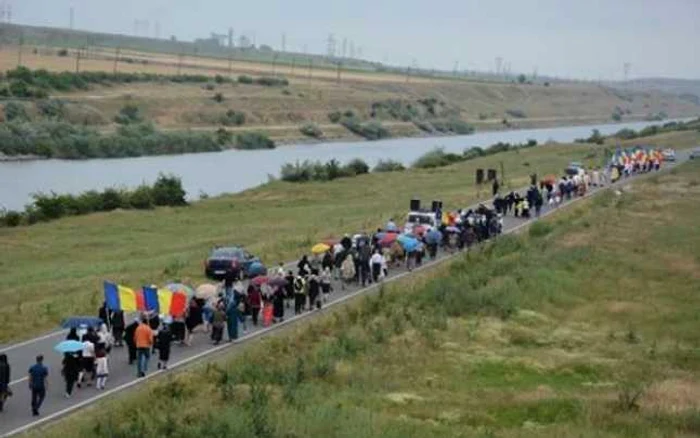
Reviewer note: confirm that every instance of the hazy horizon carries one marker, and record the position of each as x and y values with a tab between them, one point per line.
584	40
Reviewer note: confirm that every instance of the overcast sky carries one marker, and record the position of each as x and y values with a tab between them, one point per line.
575	38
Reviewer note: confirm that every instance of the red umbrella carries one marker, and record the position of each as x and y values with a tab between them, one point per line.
388	239
418	230
260	280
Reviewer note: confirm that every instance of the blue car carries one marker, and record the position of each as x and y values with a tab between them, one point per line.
223	261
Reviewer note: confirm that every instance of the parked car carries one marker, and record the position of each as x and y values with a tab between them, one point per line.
695	153
224	260
669	155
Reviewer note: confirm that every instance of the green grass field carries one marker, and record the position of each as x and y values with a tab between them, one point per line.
586	326
51	270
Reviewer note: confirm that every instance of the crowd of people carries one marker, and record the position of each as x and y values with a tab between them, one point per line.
357	260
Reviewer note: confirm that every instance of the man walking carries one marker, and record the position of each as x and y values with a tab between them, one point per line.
38	381
143	338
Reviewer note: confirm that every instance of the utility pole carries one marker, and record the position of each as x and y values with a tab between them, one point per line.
19	51
626	70
330	47
339	69
455	69
294	62
274	64
77	60
499	64
116	59
72	18
344	49
230	62
179	60
311	68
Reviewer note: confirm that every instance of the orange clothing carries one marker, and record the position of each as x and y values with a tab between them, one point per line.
143	336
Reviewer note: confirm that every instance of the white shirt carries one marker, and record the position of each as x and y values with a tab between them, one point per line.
101	365
376	259
88	349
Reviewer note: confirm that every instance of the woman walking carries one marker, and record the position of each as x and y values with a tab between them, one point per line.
70	371
278	297
163	341
218	323
314	290
326	283
254	302
4	380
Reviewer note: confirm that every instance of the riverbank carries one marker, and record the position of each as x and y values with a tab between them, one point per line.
536	335
55	269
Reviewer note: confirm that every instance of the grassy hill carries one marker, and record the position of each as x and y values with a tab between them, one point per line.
584	326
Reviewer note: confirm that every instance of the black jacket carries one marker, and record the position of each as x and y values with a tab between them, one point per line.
4	373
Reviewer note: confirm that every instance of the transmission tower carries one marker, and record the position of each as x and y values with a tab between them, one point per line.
72	18
499	64
626	70
344	49
330	46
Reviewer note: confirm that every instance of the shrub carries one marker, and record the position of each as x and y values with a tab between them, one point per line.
388	166
15	111
209	87
516	113
141	198
233	118
616	117
129	114
522	78
370	130
424	126
356	166
52	108
223	137
626	134
167	190
311	130
11	218
20	88
254	140
272	82
245	79
62	52
218	97
335	116
395	109
432	159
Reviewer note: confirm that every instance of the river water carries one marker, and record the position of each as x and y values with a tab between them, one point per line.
233	171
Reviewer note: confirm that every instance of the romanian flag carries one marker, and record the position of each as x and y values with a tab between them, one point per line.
123	298
165	301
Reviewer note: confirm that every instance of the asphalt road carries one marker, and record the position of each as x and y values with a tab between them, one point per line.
17	416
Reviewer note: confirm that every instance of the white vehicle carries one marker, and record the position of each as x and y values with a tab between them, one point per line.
423	218
669	154
695	154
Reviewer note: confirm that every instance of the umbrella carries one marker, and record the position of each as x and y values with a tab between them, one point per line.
388	239
380	235
277	281
77	321
433	236
392	227
408	243
260	280
179	287
419	229
68	347
206	291
452	229
256	268
320	248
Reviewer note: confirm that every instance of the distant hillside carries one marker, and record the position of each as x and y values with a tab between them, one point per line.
687	89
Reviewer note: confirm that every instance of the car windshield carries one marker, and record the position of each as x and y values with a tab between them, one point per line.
228	253
419	219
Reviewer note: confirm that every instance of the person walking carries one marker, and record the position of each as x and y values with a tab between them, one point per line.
304	267
254	303
4	380
299	294
70	371
289	288
38	382
218	322
143	338
314	290
326	288
73	335
192	320
87	361
118	325
376	263
129	338
278	304
101	368
163	341
233	307
103	313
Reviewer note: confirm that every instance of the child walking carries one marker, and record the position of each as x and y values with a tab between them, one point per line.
101	368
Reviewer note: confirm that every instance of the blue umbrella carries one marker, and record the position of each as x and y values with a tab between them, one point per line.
68	347
408	243
77	321
380	235
433	236
392	227
256	268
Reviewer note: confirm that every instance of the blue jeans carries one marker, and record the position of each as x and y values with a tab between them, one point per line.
143	355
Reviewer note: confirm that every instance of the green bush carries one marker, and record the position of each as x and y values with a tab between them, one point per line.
129	114
356	166
311	130
254	140
626	134
51	108
370	130
396	109
455	126
218	97
424	126
617	117
388	166
272	82
431	159
245	79
15	111
168	190
233	118
335	116
11	218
